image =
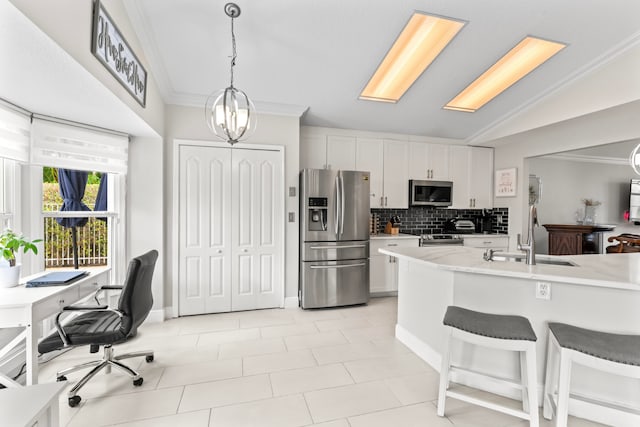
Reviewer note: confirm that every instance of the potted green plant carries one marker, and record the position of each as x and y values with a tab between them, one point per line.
10	243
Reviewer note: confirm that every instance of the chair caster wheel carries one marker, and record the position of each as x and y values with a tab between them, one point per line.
74	401
149	359
61	378
138	382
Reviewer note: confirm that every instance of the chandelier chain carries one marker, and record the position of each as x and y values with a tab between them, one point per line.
234	53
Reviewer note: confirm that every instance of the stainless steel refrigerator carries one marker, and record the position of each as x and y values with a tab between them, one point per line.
334	238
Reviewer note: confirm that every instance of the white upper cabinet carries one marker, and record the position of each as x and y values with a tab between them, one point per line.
370	157
471	170
396	176
428	161
313	152
341	152
328	152
387	161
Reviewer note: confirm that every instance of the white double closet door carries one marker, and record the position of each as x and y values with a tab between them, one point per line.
231	219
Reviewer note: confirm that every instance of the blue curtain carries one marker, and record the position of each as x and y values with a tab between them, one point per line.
101	198
72	186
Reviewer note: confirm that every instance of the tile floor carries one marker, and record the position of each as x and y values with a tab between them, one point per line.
284	367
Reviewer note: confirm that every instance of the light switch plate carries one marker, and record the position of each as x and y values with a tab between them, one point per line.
292	191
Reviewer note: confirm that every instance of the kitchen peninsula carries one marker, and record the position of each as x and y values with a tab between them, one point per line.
600	292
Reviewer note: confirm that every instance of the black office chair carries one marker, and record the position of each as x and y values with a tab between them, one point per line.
101	326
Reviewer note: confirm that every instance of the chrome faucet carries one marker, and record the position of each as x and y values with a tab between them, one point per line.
529	247
488	254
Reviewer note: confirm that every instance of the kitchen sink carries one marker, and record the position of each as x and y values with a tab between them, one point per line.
539	259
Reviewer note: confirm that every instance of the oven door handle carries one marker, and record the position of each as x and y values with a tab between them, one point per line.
316	248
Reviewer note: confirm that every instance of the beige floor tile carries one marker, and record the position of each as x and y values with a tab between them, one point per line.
341	324
251	348
290	411
308	379
178	356
156	342
390	346
166	328
386	367
214	338
383	319
263	318
318	314
200	372
209	324
369	333
407	416
187	419
347	352
267	363
289	330
225	392
345	401
413	389
124	408
336	423
321	339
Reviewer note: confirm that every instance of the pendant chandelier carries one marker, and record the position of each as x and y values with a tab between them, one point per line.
634	159
229	112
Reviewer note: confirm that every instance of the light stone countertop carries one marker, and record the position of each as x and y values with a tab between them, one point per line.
619	271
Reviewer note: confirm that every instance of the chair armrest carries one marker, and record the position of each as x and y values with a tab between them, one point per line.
63	335
85	307
105	288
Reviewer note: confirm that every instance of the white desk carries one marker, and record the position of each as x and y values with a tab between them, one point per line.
29	406
28	307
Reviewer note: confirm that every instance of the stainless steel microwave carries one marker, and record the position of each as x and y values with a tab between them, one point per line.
430	193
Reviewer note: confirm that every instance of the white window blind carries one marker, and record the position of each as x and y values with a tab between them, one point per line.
14	135
70	147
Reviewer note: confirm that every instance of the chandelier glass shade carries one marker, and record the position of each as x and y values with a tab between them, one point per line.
229	112
230	115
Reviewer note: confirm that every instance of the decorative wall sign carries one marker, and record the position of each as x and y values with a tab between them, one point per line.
506	182
108	45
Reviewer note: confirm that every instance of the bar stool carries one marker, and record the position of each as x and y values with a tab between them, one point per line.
613	353
505	332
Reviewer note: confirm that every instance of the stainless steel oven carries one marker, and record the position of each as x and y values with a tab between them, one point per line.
440	240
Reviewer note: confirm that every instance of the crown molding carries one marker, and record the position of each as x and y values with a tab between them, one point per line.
588	159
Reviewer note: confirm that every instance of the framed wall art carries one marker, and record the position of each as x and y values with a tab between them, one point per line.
506	182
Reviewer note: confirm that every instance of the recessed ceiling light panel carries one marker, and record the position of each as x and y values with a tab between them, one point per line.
517	63
419	43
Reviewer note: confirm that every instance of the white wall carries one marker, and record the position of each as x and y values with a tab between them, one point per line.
188	123
612	125
565	183
145	204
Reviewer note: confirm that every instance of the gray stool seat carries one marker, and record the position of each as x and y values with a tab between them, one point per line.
604	345
500	326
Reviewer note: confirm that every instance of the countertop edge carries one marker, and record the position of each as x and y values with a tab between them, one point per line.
523	272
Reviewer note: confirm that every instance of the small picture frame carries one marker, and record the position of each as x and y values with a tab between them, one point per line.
506	182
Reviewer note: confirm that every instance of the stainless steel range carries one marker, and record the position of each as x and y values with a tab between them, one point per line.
441	240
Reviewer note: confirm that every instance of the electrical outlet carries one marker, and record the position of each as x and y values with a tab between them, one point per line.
543	290
499	218
292	217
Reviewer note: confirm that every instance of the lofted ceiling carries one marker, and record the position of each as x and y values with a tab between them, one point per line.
319	54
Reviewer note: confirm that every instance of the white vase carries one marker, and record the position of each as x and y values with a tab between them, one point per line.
9	276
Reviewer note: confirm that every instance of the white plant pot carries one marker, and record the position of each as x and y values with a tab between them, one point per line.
9	276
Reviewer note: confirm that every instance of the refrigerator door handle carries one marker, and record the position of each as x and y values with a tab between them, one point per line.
337	247
330	267
337	207
341	204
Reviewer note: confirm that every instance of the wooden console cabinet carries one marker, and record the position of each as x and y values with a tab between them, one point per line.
572	239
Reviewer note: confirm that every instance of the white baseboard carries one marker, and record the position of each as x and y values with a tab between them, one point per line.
156	316
291	302
582	408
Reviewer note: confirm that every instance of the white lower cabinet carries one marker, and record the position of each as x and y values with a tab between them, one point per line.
383	269
489	241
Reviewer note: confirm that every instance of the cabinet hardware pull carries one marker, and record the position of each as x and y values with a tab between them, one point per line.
385	200
392	244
